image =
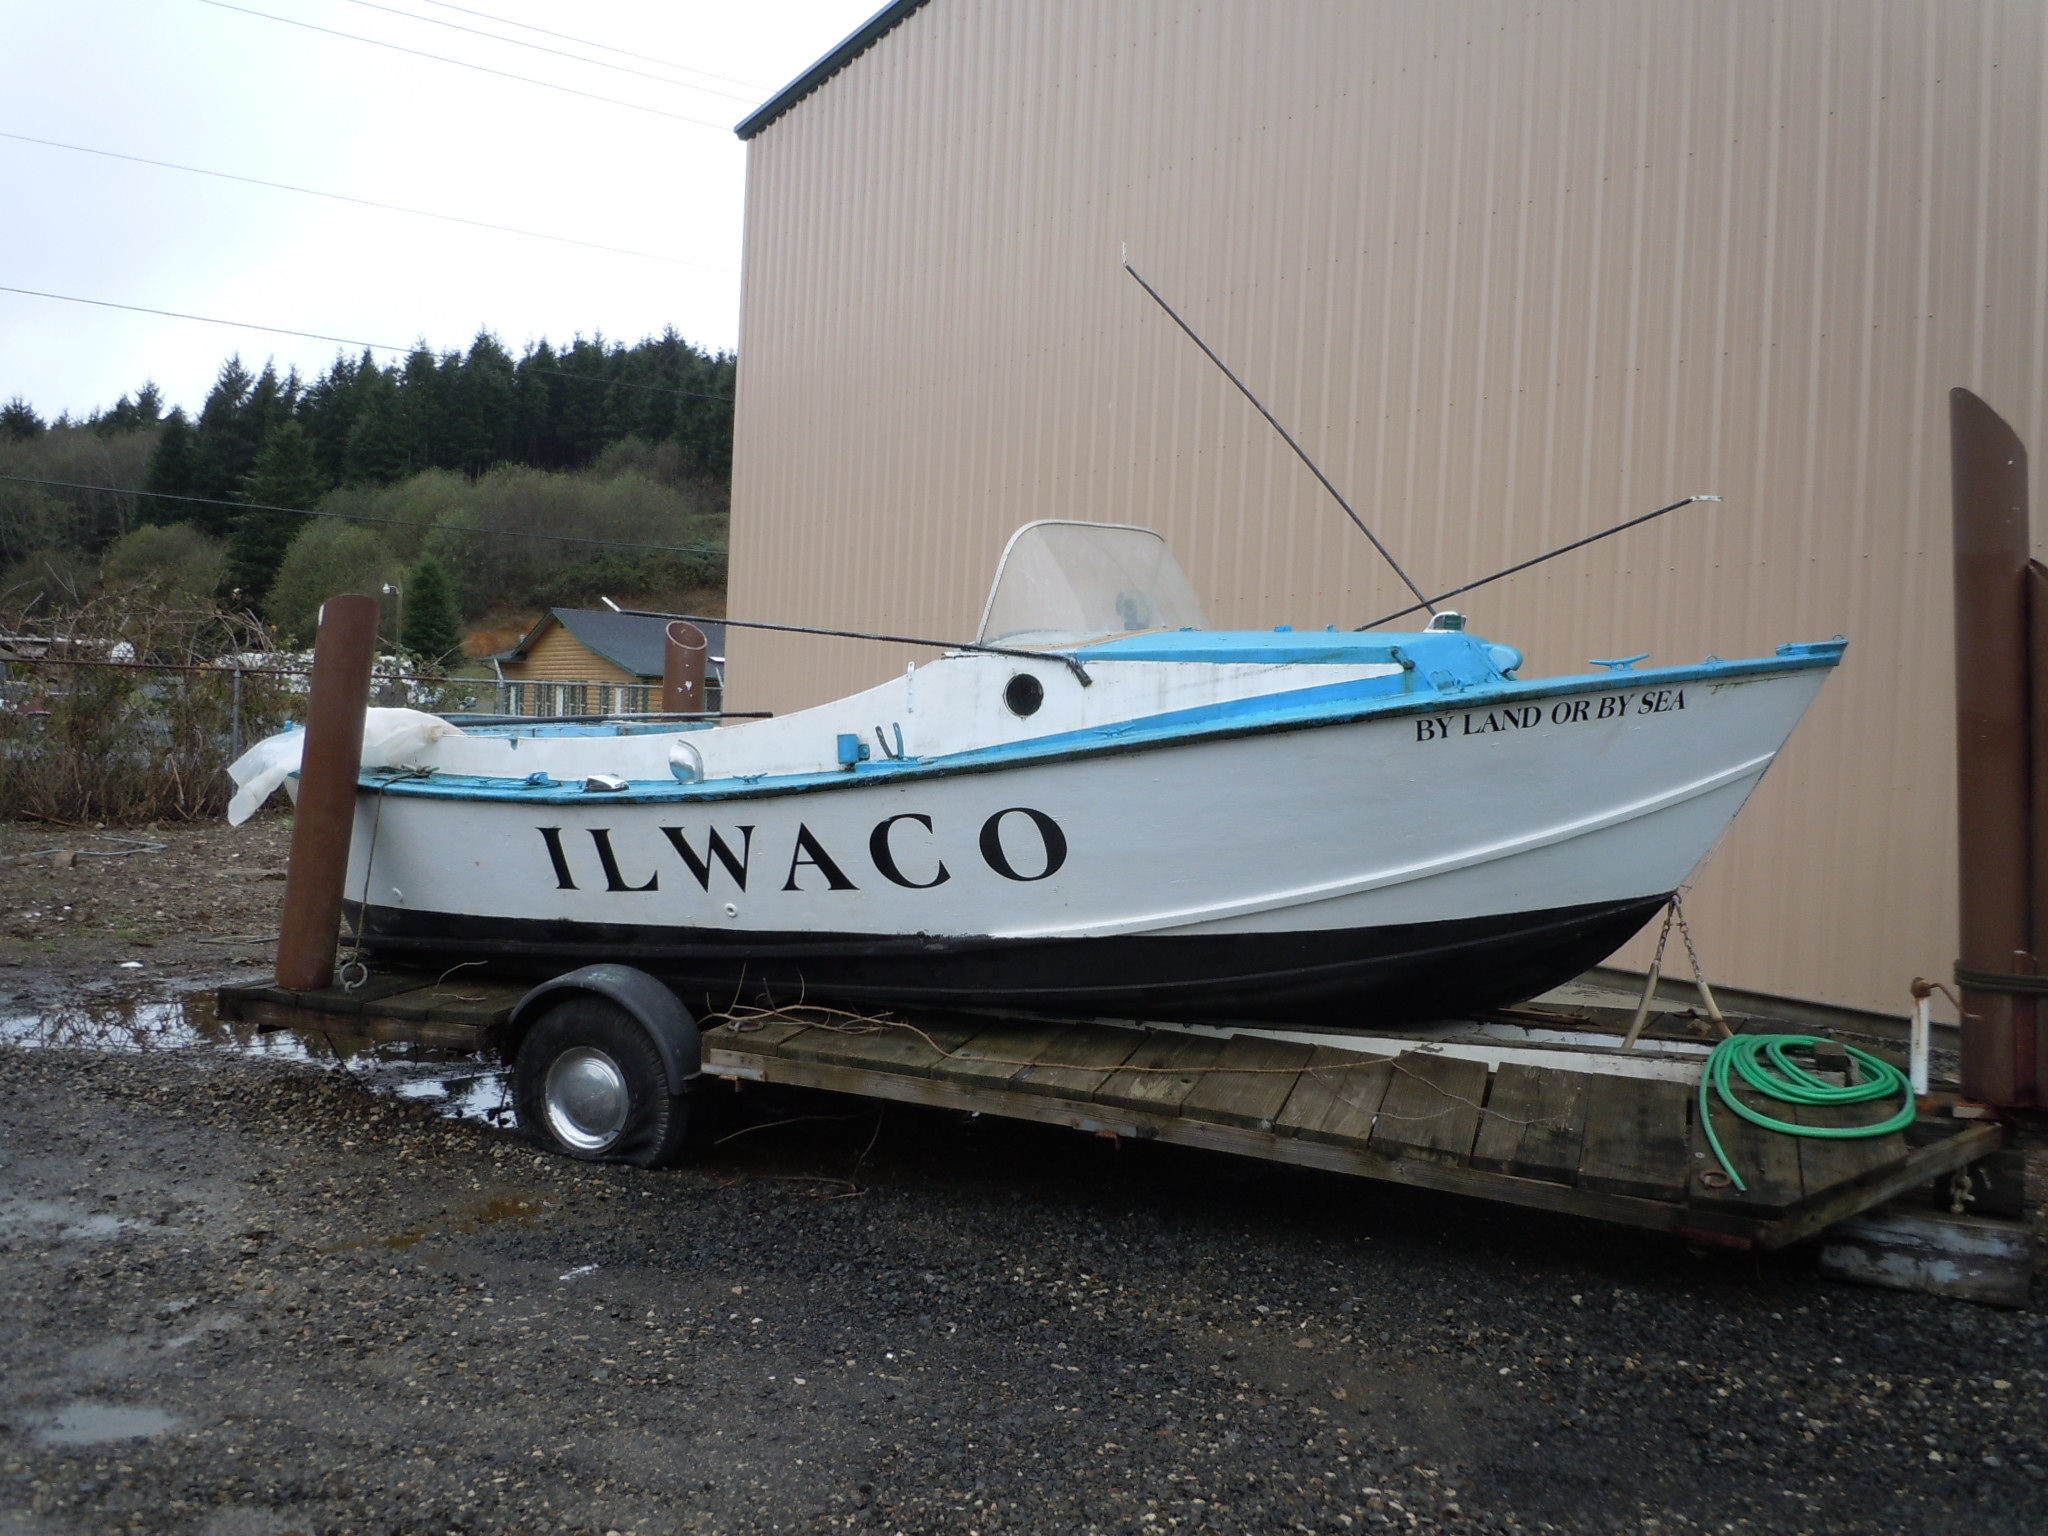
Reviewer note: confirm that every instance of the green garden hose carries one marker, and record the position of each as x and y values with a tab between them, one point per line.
1765	1064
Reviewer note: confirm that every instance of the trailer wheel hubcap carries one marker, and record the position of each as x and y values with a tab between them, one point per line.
587	1099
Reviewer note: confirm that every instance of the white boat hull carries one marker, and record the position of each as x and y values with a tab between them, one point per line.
1346	869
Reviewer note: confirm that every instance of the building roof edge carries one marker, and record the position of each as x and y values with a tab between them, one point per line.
863	37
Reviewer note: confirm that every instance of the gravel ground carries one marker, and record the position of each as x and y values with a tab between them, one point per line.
254	1292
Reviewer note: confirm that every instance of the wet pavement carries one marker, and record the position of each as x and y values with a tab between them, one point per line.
132	1020
261	1283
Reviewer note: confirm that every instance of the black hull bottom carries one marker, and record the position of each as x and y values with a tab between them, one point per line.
1361	978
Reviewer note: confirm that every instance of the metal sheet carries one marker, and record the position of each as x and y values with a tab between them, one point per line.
1511	273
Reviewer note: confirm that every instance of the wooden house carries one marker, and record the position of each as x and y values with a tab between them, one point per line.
599	662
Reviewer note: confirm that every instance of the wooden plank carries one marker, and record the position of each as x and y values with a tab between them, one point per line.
1636	1138
1078	1061
1249	1083
1432	1108
1160	1073
884	1048
1825	1164
336	999
418	1004
1769	1161
1534	1124
756	1039
1844	1200
1973	1258
487	1004
352	1031
1336	1097
1350	1157
998	1053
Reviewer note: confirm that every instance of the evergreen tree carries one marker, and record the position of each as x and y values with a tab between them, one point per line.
174	471
137	415
19	422
475	398
433	625
286	476
334	404
377	452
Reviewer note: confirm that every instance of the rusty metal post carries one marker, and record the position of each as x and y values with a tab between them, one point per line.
2037	635
682	669
1994	769
326	815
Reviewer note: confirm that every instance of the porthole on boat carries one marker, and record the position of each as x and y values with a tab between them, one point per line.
1023	694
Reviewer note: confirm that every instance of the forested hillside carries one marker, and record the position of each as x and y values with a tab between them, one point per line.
458	459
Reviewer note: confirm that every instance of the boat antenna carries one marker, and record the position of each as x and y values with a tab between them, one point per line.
1070	661
1286	436
1563	549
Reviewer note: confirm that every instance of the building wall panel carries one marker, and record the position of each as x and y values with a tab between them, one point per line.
1511	273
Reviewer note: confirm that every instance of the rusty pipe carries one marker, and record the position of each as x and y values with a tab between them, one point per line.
1994	769
682	668
2037	626
328	769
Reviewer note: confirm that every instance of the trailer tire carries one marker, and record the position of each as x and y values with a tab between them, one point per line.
589	1083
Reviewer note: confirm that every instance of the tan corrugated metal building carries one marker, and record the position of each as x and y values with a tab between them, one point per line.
1512	272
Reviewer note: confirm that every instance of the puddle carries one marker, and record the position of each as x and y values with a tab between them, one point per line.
128	1022
73	1221
97	1424
489	1213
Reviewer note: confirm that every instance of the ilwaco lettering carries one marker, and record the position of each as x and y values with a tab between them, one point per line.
898	848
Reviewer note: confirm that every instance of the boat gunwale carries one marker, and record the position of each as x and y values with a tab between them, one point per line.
1143	734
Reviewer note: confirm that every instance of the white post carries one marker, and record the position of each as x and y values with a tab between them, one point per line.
1923	1027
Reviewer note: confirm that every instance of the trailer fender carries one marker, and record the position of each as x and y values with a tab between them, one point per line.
648	1002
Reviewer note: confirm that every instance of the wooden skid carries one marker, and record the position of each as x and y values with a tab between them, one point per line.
1620	1149
390	1007
1626	1150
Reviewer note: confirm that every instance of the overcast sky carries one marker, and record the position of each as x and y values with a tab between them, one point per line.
203	85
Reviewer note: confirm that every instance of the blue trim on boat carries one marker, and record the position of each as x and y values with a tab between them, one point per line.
1416	692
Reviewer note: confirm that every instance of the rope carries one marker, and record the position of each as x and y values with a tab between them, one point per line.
1765	1064
2008	982
354	962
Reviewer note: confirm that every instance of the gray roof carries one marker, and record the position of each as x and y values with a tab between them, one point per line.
864	37
634	641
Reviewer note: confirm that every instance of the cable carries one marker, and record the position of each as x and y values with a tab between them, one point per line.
484	69
363	202
178	314
347	341
560	53
1763	1064
367	517
624	53
1562	549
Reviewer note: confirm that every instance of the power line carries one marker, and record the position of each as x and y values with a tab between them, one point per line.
485	69
178	314
347	341
560	53
367	517
364	202
624	53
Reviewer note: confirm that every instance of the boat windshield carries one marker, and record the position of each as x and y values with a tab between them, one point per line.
1063	583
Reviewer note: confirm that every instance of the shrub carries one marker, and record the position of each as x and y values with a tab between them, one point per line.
327	558
132	718
173	562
